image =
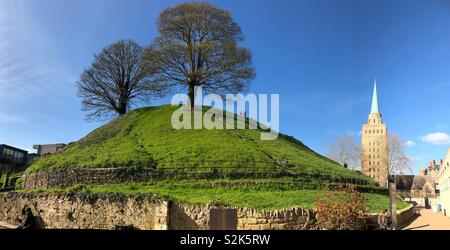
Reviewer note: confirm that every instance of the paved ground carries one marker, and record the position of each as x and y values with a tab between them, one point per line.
428	220
4	225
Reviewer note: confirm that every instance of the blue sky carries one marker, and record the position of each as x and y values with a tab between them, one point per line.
320	56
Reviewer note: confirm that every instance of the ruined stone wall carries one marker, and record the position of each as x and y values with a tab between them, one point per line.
86	211
67	177
105	211
186	216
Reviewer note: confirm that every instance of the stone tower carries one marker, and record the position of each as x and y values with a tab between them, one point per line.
374	146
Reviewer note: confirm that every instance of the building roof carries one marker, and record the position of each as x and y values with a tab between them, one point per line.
409	182
13	148
374	108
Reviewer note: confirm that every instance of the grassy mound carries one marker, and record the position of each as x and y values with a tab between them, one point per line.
246	171
145	138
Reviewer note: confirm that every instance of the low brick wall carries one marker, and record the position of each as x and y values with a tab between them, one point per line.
86	211
189	217
404	215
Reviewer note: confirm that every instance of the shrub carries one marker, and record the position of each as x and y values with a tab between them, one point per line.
341	207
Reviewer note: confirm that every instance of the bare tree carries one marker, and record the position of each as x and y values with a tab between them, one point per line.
398	161
345	151
198	46
115	81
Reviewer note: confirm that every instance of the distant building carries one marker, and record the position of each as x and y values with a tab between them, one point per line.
432	169
374	147
48	149
423	188
444	184
418	188
15	160
12	159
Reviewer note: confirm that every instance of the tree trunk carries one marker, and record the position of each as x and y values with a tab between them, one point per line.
122	109
191	96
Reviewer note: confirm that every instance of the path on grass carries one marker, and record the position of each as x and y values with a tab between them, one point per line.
428	220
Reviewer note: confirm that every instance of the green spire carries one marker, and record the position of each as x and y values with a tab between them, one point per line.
374	99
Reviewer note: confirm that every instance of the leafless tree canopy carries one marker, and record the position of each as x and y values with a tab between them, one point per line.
115	81
345	150
398	161
198	46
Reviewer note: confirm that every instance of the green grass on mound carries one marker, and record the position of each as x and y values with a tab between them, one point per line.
260	198
145	138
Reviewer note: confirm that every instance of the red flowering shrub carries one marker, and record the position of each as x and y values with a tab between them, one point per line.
341	207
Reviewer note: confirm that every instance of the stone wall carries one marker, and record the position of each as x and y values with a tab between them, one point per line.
67	177
86	211
405	214
105	211
188	217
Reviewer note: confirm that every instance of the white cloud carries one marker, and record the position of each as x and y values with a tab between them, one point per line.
409	143
437	138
